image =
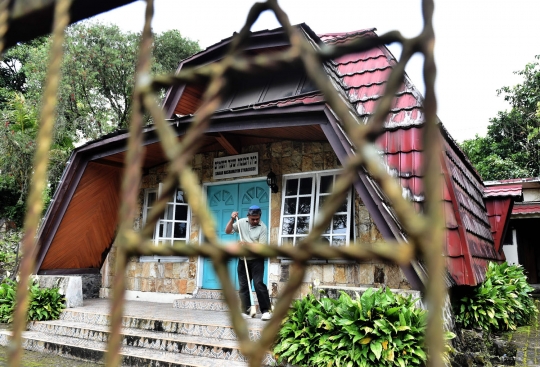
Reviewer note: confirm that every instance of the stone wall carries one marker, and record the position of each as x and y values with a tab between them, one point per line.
168	277
286	157
90	285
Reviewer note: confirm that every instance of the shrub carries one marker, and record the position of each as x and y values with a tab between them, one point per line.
501	302
8	289
378	328
45	303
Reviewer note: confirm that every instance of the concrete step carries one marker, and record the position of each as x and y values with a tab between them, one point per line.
204	304
131	356
195	323
209	294
214	347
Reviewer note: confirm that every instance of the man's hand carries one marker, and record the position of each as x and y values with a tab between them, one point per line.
229	226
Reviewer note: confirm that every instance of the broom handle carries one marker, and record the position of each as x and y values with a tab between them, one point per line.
245	264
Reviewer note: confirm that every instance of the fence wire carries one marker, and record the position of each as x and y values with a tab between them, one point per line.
425	231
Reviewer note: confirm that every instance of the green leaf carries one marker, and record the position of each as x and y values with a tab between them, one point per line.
376	348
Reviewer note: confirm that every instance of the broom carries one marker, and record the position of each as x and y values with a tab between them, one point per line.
252	311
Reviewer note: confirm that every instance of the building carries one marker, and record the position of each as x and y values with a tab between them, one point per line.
521	243
275	123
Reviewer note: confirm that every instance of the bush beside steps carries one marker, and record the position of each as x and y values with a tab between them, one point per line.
378	328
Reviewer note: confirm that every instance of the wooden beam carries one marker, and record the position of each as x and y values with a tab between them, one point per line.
227	144
69	271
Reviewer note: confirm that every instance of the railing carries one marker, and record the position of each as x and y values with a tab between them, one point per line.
425	231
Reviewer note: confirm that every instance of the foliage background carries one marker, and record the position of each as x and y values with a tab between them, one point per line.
94	99
511	147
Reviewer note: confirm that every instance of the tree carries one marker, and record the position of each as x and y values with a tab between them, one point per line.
511	148
94	98
17	147
98	74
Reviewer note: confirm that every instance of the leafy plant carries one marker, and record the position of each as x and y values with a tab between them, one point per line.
45	303
378	328
501	302
7	300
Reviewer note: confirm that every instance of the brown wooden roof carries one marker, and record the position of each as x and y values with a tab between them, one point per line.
88	227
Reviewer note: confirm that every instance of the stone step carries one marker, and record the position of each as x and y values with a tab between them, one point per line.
94	351
195	323
216	295
204	304
209	294
214	347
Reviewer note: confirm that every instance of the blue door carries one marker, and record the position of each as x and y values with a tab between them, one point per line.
222	201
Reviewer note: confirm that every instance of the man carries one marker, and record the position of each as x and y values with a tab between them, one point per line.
251	230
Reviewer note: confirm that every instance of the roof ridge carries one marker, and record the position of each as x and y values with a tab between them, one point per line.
339	36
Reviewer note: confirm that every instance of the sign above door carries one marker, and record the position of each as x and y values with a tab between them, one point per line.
236	166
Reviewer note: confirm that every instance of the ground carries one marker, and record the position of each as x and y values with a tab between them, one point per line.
36	359
527	339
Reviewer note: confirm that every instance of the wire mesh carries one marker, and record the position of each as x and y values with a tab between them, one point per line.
424	231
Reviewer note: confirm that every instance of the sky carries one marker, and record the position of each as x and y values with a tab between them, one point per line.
479	43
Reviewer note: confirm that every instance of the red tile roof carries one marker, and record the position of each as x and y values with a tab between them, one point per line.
506	190
526	208
469	240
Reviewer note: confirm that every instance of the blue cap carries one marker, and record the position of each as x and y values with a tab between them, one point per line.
254	210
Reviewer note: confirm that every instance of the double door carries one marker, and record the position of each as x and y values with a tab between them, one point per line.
222	201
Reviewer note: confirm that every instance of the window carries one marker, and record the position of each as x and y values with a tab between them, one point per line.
303	196
173	224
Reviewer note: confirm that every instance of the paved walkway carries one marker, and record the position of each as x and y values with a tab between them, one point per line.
164	311
527	339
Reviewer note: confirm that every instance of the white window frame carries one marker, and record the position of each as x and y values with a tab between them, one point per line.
315	200
155	236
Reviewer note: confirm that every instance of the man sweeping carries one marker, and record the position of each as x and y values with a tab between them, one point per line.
251	230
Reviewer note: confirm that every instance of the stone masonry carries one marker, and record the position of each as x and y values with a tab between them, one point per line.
285	157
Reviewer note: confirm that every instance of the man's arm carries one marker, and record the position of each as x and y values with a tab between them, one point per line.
263	238
229	228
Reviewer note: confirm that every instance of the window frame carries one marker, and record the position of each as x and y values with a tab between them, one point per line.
155	236
315	201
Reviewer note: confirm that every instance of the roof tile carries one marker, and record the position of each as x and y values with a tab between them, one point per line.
526	208
506	190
